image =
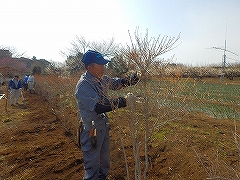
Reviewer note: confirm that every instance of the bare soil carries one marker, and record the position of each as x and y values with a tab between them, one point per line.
34	145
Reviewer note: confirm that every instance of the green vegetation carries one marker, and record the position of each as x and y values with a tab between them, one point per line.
218	100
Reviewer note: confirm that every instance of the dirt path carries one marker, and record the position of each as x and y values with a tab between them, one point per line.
34	145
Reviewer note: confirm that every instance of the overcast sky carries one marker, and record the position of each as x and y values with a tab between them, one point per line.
43	28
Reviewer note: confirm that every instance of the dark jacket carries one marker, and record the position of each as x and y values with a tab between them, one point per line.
14	85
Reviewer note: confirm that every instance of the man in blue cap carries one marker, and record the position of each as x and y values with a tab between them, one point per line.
93	103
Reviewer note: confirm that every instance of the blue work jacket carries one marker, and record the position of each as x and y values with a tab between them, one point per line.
14	84
90	91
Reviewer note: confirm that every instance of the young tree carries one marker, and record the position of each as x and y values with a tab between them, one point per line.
158	105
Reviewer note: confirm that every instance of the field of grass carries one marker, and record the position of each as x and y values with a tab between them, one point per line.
212	97
220	100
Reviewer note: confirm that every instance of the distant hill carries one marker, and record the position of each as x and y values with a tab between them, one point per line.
22	65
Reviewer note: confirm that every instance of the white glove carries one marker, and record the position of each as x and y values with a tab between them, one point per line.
131	99
139	74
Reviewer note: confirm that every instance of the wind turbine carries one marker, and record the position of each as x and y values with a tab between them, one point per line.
224	54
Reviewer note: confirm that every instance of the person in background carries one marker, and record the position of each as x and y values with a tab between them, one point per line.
25	83
93	103
14	87
30	82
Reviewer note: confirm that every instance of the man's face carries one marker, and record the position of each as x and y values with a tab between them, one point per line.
96	70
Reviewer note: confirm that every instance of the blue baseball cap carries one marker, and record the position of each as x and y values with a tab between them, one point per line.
93	57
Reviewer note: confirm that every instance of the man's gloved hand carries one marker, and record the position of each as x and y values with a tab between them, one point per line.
131	80
9	90
122	102
109	105
131	99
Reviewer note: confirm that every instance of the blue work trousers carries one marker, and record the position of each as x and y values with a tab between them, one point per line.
96	161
